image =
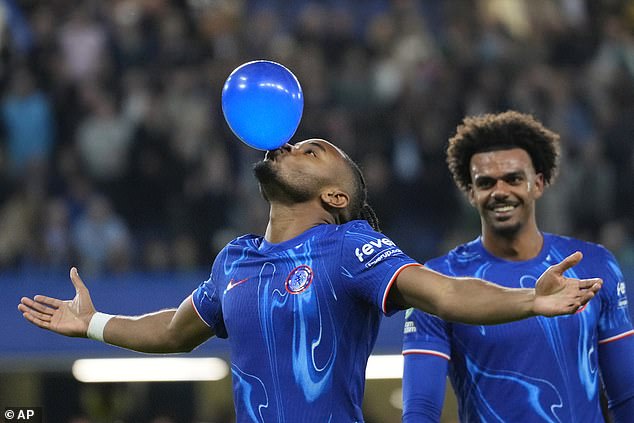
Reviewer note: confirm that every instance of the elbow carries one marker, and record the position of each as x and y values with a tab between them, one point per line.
182	350
185	348
183	341
176	345
171	342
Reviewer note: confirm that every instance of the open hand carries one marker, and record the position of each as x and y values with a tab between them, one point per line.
557	294
70	317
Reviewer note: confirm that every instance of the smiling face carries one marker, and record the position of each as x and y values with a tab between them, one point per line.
299	173
504	187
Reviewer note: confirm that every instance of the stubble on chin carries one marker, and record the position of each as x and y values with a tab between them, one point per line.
505	229
273	187
263	171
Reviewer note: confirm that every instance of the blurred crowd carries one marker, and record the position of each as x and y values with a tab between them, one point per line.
114	154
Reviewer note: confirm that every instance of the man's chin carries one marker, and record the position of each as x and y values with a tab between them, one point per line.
264	172
506	230
506	227
273	188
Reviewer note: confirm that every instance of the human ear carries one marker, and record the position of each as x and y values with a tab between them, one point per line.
471	195
335	198
539	185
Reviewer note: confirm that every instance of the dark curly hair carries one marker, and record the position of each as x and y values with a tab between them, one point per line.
502	131
359	207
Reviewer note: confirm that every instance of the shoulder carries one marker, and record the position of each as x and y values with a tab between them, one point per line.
359	231
245	240
461	255
354	225
240	244
590	250
597	260
365	246
361	234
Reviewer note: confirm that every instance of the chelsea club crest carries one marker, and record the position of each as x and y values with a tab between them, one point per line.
299	279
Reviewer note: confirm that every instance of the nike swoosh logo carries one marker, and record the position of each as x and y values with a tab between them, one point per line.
232	284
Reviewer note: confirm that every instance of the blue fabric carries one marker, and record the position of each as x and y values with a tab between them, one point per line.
617	371
538	369
424	393
301	318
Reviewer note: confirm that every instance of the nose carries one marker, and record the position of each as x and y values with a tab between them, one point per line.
286	147
500	190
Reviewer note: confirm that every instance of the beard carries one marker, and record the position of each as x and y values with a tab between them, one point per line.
274	188
507	231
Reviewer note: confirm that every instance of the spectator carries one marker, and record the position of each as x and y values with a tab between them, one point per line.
27	118
101	238
58	249
83	43
125	96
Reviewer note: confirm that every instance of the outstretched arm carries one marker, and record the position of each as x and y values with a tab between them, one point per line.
166	331
475	301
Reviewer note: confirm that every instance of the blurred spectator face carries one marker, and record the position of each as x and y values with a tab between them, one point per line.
83	41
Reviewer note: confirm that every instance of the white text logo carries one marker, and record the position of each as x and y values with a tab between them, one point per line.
410	327
369	248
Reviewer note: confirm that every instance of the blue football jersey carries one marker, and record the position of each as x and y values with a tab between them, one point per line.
534	370
301	318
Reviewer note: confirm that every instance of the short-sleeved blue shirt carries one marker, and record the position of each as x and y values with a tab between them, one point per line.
301	317
534	370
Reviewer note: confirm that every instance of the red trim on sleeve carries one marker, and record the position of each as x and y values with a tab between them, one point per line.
389	285
191	299
617	337
427	352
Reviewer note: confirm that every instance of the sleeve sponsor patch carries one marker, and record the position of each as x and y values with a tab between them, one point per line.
376	250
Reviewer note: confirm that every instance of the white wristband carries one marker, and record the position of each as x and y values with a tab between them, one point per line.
97	325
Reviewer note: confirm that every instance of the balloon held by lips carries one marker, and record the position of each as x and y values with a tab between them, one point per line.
262	102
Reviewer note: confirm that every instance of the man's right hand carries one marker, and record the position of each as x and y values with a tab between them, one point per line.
70	317
556	294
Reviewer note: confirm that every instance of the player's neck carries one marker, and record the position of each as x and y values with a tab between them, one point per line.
523	245
288	221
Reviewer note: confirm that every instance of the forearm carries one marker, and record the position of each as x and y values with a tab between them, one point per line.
466	300
475	301
149	333
166	331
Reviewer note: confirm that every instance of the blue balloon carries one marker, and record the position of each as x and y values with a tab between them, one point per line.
262	102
